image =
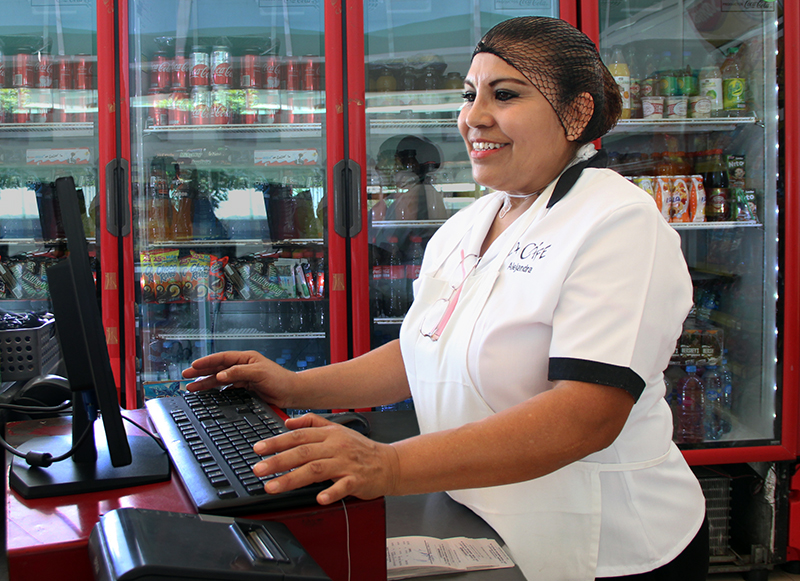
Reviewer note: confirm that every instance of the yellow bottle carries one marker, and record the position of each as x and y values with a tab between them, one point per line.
622	74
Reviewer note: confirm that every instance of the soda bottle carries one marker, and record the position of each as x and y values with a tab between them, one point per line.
637	78
726	377
396	294
733	86
622	74
692	403
414	265
667	81
712	383
319	275
711	85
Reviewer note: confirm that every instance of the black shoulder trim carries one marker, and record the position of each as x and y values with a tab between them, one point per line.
571	175
566	368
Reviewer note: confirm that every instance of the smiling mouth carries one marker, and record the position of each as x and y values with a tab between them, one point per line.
486	146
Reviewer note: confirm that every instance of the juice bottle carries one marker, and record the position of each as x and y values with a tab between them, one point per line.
712	383
622	74
718	206
711	85
733	85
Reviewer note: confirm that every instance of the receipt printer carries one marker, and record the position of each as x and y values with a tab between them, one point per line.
131	544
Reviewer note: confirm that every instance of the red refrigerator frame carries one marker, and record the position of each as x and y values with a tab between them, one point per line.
787	450
124	322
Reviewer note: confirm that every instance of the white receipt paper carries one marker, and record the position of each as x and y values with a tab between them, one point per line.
420	556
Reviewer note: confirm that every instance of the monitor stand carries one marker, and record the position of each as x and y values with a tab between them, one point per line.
150	464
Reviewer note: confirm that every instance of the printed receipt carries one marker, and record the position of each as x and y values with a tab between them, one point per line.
419	556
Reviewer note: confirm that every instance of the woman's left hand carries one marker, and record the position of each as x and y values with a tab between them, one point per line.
315	450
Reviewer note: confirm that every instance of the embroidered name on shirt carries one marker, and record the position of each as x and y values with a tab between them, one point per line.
527	255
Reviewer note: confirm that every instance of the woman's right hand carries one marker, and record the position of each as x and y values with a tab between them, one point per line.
248	369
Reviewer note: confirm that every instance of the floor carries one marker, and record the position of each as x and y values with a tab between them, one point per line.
776	575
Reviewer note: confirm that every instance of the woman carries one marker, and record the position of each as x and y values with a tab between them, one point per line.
543	318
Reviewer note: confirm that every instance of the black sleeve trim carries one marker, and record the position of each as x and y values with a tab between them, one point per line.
565	368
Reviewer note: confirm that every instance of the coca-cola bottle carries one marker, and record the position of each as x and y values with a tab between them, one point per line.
396	296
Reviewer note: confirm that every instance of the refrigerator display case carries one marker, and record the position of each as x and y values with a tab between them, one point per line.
48	129
701	134
228	184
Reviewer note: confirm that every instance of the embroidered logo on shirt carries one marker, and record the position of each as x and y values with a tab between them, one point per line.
526	256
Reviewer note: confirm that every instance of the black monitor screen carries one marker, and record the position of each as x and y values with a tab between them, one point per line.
103	457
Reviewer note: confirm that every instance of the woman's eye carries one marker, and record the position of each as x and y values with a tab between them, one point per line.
468	96
504	95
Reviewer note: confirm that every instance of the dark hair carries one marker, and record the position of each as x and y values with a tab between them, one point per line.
562	63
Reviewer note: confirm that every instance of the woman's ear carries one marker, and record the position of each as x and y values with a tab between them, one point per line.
580	113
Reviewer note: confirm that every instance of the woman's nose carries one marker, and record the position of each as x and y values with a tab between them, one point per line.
477	114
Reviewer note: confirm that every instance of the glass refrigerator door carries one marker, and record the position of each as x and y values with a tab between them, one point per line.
228	183
417	170
699	132
48	108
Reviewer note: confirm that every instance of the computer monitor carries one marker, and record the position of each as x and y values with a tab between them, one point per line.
105	456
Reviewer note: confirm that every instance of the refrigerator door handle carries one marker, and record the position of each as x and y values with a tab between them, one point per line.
118	222
347	198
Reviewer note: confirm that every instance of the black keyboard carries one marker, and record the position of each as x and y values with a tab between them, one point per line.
210	436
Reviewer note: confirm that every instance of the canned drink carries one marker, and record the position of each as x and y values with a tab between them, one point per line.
21	115
646	183
697	199
158	107
200	68
718	205
680	188
23	69
249	116
60	104
65	72
250	76
662	195
221	67
161	71
81	101
2	66
180	71
179	107
652	107
271	72
220	106
44	71
83	72
310	74
699	107
676	107
292	74
201	105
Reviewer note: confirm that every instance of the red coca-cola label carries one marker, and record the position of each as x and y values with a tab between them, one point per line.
180	71
64	72
44	72
83	73
292	75
200	75
222	74
310	76
201	107
271	70
23	70
251	71
161	71
220	114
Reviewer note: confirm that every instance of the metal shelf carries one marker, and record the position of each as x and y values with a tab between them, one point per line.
174	334
276	131
47	129
238	243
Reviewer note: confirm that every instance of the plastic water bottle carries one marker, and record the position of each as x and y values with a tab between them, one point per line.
692	403
674	404
727	395
712	382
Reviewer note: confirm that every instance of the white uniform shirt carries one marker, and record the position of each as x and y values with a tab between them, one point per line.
596	290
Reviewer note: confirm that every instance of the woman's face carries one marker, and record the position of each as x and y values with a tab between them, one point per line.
514	138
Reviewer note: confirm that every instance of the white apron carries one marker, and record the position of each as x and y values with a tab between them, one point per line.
551	525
